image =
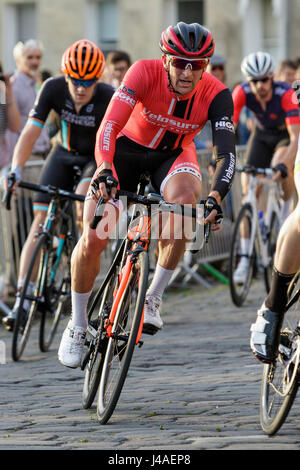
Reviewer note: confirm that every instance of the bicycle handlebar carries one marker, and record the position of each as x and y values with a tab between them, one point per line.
268	172
52	190
148	201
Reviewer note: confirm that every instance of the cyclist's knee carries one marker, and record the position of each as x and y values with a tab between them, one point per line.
91	245
38	219
183	195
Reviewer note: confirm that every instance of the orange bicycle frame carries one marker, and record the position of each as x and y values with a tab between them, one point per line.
140	235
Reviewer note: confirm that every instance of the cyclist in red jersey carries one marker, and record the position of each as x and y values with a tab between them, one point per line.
150	125
274	139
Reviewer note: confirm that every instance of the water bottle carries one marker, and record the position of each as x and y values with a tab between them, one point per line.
263	228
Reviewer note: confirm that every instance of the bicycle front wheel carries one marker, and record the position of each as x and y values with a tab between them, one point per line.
25	316
98	313
239	288
123	339
280	380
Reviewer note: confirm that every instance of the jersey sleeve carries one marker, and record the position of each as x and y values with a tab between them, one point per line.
119	111
289	103
239	101
220	113
42	105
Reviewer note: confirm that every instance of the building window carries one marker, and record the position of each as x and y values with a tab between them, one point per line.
270	31
26	21
190	11
18	24
108	25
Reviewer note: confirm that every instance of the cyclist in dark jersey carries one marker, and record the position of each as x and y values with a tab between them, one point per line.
274	140
150	125
80	102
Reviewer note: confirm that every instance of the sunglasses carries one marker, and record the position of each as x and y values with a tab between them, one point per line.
182	64
217	67
85	83
263	80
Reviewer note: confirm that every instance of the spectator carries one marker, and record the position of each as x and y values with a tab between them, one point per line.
9	116
297	61
117	64
287	71
217	67
42	77
28	58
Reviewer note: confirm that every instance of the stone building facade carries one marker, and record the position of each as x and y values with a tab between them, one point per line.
239	26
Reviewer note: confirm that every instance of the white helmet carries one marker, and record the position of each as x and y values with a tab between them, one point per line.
257	65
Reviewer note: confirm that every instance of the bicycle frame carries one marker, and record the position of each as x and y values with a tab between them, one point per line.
140	234
272	206
51	217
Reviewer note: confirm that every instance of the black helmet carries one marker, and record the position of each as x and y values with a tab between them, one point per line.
191	41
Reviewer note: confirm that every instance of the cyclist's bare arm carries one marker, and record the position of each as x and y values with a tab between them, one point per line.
24	146
289	157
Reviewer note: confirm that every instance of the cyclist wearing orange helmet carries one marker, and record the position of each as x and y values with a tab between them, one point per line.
149	126
80	102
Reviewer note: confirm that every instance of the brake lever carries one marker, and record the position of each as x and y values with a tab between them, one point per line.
98	214
6	200
206	227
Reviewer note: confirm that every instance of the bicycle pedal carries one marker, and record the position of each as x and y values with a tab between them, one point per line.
140	343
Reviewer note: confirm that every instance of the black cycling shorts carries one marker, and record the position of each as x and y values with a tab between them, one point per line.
132	159
59	171
262	146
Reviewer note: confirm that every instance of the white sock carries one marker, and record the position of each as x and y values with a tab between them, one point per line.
79	305
160	281
245	245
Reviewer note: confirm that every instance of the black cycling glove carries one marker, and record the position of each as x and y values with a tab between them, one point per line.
282	168
105	176
210	205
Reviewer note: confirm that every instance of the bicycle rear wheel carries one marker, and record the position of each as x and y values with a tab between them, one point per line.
123	339
97	343
25	317
239	290
280	380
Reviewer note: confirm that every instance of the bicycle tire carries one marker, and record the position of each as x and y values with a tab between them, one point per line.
57	292
239	292
271	248
23	325
275	408
93	361
119	352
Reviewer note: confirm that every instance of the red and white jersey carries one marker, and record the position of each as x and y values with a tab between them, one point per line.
147	111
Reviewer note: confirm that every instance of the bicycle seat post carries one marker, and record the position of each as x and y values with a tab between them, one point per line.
143	182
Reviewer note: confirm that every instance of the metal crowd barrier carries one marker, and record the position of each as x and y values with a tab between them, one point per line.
15	225
218	247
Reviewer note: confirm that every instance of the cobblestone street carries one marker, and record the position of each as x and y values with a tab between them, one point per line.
193	386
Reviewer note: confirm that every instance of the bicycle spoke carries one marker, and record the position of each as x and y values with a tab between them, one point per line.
242	256
123	339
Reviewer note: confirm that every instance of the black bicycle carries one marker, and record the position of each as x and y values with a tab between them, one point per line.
115	315
49	268
280	379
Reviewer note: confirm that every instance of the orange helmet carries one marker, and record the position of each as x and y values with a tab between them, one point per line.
83	60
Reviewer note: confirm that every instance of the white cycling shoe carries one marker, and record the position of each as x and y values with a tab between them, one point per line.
71	346
152	320
265	334
241	272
